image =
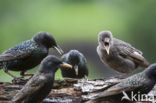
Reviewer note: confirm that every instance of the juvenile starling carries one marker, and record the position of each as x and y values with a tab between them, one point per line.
28	54
118	54
78	62
141	83
39	86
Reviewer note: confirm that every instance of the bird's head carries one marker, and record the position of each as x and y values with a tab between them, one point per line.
75	58
52	63
151	71
47	40
105	40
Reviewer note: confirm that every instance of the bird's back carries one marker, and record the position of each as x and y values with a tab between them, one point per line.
26	55
138	83
35	89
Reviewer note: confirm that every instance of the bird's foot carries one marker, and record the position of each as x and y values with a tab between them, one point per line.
19	80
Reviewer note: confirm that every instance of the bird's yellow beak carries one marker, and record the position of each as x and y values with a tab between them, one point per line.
59	49
65	65
76	69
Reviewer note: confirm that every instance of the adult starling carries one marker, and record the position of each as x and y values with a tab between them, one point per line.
78	62
138	84
39	86
118	54
28	54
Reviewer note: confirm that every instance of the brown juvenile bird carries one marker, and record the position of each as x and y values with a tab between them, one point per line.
138	84
39	86
118	54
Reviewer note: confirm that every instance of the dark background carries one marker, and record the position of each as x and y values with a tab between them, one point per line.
75	24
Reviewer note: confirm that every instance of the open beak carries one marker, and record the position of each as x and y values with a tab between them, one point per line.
107	49
59	49
76	69
65	65
107	45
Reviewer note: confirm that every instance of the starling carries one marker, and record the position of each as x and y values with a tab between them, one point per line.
78	62
139	84
39	86
28	54
118	54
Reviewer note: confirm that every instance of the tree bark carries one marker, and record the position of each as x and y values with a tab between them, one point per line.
65	90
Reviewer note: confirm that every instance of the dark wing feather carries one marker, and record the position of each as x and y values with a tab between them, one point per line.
20	51
82	56
31	86
126	50
126	85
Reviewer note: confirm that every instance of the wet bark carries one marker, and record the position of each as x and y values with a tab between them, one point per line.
65	90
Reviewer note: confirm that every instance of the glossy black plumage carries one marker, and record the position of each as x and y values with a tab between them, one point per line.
119	55
39	86
27	54
141	83
78	62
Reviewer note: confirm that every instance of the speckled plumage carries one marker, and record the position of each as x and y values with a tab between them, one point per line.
118	54
27	54
39	86
141	83
76	59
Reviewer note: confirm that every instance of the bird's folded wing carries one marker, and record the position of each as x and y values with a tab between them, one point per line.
117	89
15	55
85	60
31	87
125	85
133	54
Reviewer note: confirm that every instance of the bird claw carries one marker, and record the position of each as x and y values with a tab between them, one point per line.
19	80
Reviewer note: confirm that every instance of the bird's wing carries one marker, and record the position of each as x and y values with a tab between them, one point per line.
31	86
85	60
127	51
113	91
20	51
125	85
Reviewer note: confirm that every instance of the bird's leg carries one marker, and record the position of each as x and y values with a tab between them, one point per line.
6	71
24	75
28	75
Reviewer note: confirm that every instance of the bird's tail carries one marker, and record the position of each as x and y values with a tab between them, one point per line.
146	63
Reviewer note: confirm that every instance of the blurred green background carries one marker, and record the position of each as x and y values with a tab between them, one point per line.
75	24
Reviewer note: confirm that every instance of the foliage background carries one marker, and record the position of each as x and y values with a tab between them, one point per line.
76	23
